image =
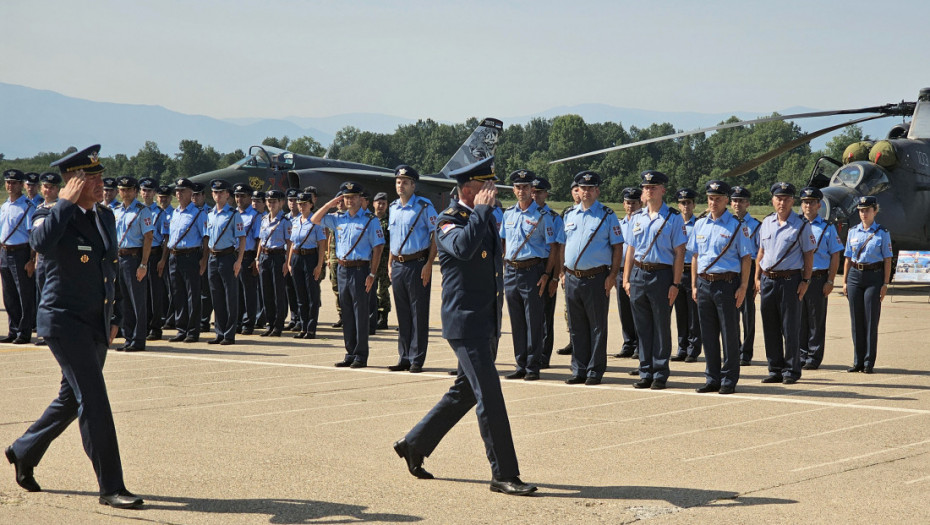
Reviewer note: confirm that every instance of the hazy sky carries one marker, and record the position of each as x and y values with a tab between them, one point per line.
453	60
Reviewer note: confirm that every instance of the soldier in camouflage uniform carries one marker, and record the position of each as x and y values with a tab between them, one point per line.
383	282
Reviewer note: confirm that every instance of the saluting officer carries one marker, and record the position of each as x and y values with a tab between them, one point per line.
248	279
135	230
359	241
720	261
541	188
739	201
411	233
593	256
110	192
654	262
187	260
226	241
17	263
632	203
305	263
156	284
32	189
866	275
576	198
783	273
686	314
164	197
273	239
528	235
472	296
380	208
826	262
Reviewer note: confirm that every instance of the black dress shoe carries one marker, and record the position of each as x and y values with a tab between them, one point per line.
643	383
372	331
122	499
383	322
516	374
591	381
176	339
453	372
512	487
809	367
857	368
247	331
658	385
543	366
344	364
238	329
192	339
413	458
215	341
690	359
23	472
868	370
727	389
789	380
566	350
575	380
399	367
416	369
22	340
8	339
153	336
745	362
338	324
267	332
310	335
531	376
358	364
290	326
227	342
300	335
634	372
680	357
40	342
773	379
275	333
133	348
635	355
708	388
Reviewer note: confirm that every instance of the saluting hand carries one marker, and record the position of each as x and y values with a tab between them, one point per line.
72	190
487	195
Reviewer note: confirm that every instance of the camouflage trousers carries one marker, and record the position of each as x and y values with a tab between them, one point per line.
384	290
333	265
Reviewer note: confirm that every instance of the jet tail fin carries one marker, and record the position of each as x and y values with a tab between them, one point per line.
481	144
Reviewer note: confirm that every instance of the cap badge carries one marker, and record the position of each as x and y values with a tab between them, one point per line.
402	171
349	185
648	177
587	177
784	185
714	186
862	200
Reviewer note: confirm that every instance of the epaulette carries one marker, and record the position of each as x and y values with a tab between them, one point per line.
370	215
674	211
424	203
552	212
139	205
610	211
512	207
701	216
449	211
637	212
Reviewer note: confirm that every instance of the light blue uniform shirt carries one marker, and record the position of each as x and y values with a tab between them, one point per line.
498	214
158	219
166	222
751	228
642	229
274	233
826	241
132	224
37	200
557	224
579	225
400	219
877	249
192	217
113	204
689	229
710	237
518	224
10	215
251	222
347	230
216	225
778	240
304	234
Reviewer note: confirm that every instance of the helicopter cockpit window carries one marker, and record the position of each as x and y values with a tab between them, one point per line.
848	176
874	182
920	124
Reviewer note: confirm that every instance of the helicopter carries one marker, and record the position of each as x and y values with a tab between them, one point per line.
266	168
896	170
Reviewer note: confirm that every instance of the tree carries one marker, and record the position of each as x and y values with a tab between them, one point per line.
307	145
838	144
276	143
150	162
195	159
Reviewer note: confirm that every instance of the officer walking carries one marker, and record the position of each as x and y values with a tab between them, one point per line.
17	261
380	205
826	262
686	314
721	256
632	203
783	273
359	241
472	292
411	233
739	201
248	280
187	261
593	256
135	230
654	260
541	188
156	284
866	274
78	243
226	241
273	239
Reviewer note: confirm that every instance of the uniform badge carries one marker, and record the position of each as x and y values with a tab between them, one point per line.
484	254
432	220
380	233
147	221
746	231
85	258
463	214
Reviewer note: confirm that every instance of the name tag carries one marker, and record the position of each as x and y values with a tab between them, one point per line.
84	248
700	237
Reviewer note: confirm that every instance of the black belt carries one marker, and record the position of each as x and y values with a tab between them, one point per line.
526	263
125	252
587	274
416	256
869	267
184	251
14	247
352	264
722	276
273	251
819	273
249	253
306	251
651	267
781	274
225	251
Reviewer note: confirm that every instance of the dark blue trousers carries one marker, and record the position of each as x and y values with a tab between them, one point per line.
686	319
813	322
477	384
82	396
411	302
863	290
588	306
525	307
19	291
653	317
627	325
308	290
224	289
549	320
248	292
271	266
354	301
135	300
373	308
290	290
157	291
781	317
748	316
185	292
206	302
716	303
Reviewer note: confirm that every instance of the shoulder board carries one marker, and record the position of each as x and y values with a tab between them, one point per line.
882	228
424	203
511	207
552	212
139	205
637	212
449	211
107	209
701	216
674	211
608	210
369	215
771	214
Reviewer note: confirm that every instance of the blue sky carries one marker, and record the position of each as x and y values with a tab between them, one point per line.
453	60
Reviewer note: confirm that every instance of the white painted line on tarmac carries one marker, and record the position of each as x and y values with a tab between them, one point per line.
869	454
918	480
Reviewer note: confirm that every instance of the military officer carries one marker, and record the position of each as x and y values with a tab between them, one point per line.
576	198
291	213
164	197
305	264
632	203
593	256
528	234
32	189
261	210
50	186
686	315
226	241
17	260
411	234
654	262
248	282
720	260
135	230
739	202
380	208
148	187
186	254
472	296
866	275
826	262
206	299
78	242
110	192
541	188
359	241
783	273
273	238
373	293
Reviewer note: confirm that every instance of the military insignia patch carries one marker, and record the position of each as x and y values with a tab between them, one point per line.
746	231
402	171
446	227
85	258
147	221
484	254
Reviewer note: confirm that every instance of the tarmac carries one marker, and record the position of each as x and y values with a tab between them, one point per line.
268	431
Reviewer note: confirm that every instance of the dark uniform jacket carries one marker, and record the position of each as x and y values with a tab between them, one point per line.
80	272
470	260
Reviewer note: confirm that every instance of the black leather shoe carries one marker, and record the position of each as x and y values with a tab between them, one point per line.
516	374
512	487
133	348
809	367
677	358
399	367
706	389
643	383
773	379
624	355
566	350
634	372
372	331
591	381
300	335
658	385
543	366
153	336
267	332
413	458
789	380
176	339
8	339
343	364
23	472
275	333
416	369
383	321
40	342
453	372
121	500
310	335
531	376
238	329
247	331
192	339
868	370
22	340
358	364
727	389
216	341
290	326
857	368
575	380
227	342
635	355
338	324
745	362
690	359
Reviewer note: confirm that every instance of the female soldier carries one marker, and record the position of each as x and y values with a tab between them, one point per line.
305	262
273	240
865	281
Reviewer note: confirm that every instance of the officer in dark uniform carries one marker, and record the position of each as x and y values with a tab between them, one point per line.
17	262
470	259
632	203
226	241
186	254
866	274
273	239
541	188
135	231
380	208
164	197
110	192
248	280
686	314
78	242
359	241
156	303
721	255
305	264
783	273
290	290
206	299
739	201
